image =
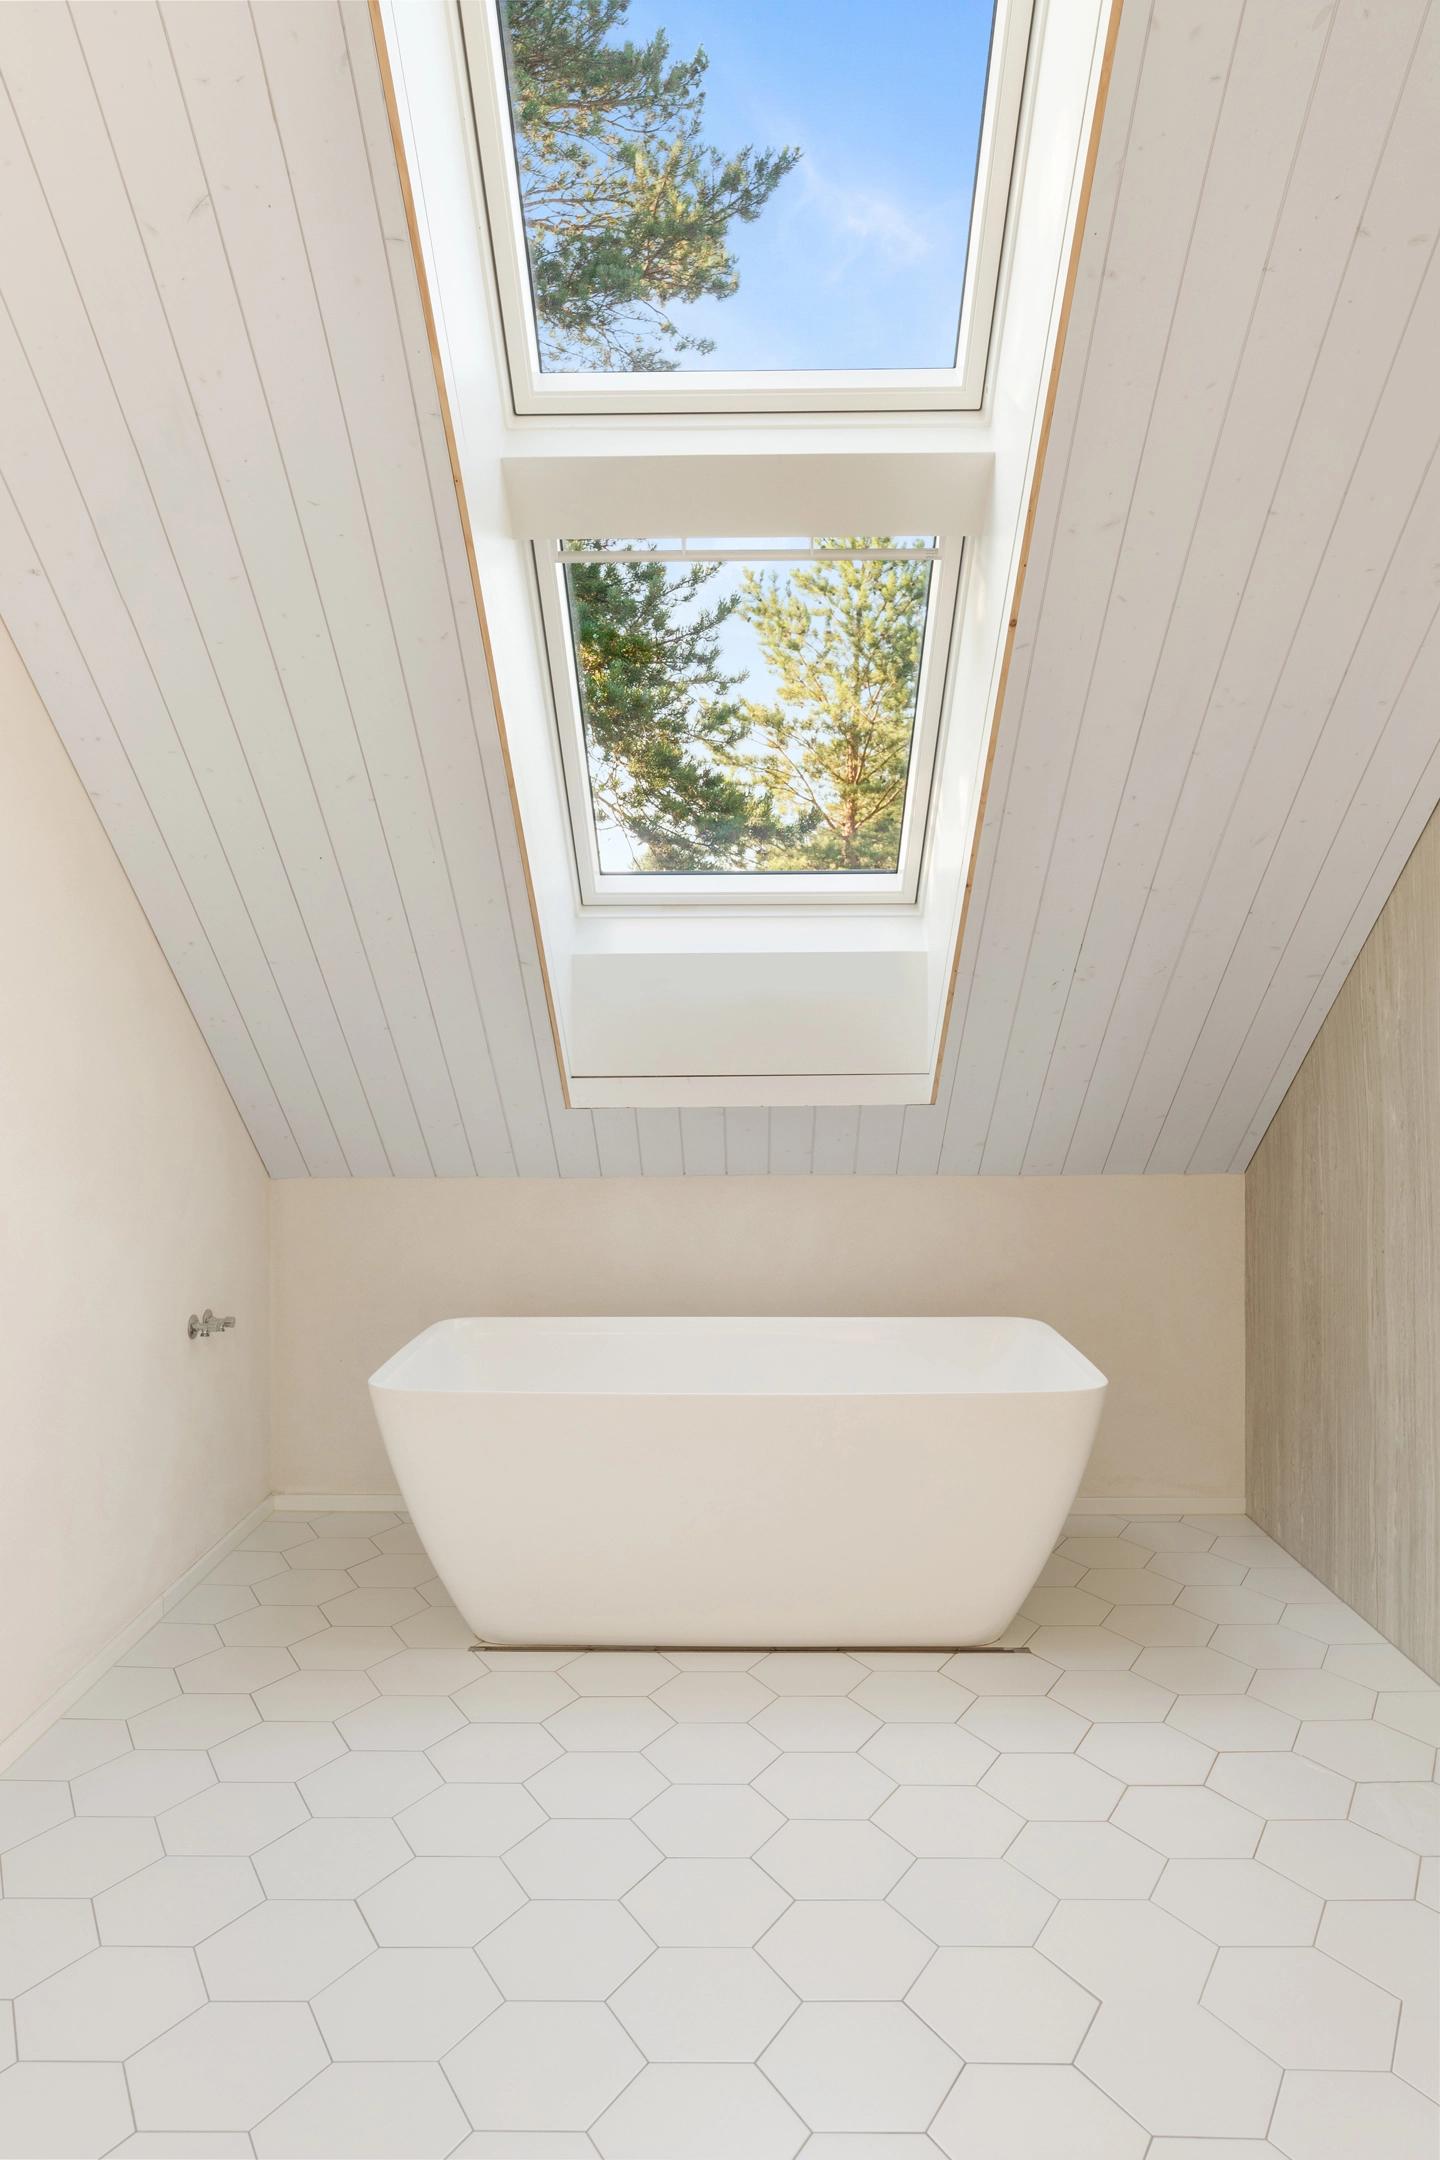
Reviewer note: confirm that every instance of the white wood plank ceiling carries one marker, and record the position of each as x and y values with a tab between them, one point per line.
231	558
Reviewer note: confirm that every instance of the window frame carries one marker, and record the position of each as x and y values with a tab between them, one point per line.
960	388
658	892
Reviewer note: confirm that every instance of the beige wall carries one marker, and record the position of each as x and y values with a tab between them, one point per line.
1144	1274
129	1194
1343	1206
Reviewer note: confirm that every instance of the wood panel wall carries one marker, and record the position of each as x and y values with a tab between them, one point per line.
1343	1284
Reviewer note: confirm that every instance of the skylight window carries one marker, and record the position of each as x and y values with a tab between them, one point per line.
696	200
745	713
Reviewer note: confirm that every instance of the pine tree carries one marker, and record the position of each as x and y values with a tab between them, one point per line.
627	208
663	734
843	640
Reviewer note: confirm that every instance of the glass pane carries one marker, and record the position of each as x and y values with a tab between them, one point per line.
744	717
746	184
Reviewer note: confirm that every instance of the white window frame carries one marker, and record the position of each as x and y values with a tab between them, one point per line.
653	893
960	388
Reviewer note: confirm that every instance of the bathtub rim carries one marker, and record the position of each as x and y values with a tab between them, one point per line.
403	1373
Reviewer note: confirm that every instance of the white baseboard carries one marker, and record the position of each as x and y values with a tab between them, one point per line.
13	1745
1181	1504
332	1503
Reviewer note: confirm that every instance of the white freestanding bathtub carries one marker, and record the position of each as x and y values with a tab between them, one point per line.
707	1482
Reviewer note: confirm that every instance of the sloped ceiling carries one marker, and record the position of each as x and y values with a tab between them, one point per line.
231	558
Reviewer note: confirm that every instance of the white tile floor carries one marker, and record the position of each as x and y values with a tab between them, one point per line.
303	1875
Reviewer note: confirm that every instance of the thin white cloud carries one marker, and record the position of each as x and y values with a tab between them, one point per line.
861	220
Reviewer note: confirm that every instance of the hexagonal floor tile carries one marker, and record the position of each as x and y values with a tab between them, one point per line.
1408	1813
309	1697
1238	1903
542	2066
1123	1950
1194	1672
230	1821
108	2005
983	1672
431	1903
712	1698
195	1721
929	1755
404	1722
29	1806
1268	1648
372	1608
936	1821
391	2111
1189	1822
810	1672
833	1860
334	1858
597	1723
38	1936
468	1819
1282	1787
913	1698
618	1672
514	1698
703	2006
600	1784
356	1648
564	1950
284	1951
823	1722
1303	2009
142	1783
1028	1724
1335	2114
494	1754
404	2005
62	2108
848	1949
1359	1748
709	1821
1002	2006
425	1672
699	2111
1338	1859
126	1690
824	1786
172	1643
225	2067
176	1902
1104	1552
268	1627
575	1859
965	1903
81	1857
1313	1694
236	1671
1053	1788
269	1752
1179	2071
1159	1626
860	2066
1085	1860
719	1903
711	1754
1033	2113
303	1586
1232	1721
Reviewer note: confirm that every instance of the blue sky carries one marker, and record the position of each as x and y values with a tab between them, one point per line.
858	258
